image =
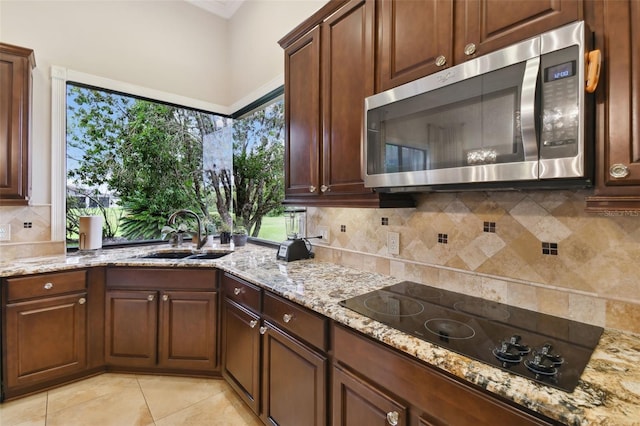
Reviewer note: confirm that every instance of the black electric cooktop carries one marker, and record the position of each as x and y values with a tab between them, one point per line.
540	347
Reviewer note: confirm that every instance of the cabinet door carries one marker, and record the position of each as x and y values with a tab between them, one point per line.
45	339
241	352
294	382
15	116
187	333
489	25
358	403
413	34
131	328
302	116
347	79
619	149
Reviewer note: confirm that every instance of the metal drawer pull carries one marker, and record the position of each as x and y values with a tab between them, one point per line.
312	188
150	297
82	301
470	49
253	323
393	417
324	188
287	317
263	329
619	171
165	297
48	286
441	60
237	291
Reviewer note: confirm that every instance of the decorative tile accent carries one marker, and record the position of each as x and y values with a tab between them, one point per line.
27	225
550	248
489	227
385	221
343	228
442	238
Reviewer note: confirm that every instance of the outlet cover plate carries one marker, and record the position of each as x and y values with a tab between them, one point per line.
393	243
323	231
5	232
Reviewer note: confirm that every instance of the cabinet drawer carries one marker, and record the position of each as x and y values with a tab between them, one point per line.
241	292
45	285
296	319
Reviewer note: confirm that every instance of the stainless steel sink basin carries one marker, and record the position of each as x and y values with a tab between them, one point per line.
183	255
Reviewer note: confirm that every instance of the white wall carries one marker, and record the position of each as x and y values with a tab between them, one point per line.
166	45
255	58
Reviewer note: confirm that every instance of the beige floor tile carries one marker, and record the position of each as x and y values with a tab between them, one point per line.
29	411
89	389
166	395
126	407
222	409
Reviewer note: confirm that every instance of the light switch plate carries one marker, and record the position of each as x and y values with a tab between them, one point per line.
5	232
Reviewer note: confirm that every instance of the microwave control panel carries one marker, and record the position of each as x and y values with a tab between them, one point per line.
560	106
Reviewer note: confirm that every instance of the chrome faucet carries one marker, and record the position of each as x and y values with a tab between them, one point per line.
172	220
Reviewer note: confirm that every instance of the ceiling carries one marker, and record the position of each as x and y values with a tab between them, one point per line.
223	8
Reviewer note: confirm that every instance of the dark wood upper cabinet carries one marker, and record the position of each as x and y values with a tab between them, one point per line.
413	36
618	131
329	71
490	25
302	116
16	64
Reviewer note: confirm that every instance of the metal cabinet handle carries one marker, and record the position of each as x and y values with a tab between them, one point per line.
287	317
150	297
263	329
82	301
237	291
393	417
165	297
324	188
312	188
441	60
48	286
619	171
253	323
470	49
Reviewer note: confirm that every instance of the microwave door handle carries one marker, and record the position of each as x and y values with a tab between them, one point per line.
528	110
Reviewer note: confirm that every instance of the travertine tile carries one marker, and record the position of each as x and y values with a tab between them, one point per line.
219	410
28	411
168	395
623	316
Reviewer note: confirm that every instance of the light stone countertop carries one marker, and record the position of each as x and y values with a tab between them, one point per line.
608	392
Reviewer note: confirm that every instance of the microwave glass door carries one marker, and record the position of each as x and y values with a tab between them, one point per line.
472	122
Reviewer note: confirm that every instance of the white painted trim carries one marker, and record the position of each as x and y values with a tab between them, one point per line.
58	153
258	93
145	92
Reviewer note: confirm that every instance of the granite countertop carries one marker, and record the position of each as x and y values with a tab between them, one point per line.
608	392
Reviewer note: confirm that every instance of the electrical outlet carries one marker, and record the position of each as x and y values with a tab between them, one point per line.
393	243
5	232
323	231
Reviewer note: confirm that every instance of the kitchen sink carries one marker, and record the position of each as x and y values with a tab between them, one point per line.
185	255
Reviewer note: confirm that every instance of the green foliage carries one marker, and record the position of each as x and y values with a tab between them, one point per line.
258	165
149	154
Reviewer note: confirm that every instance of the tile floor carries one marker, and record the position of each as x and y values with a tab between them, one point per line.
132	400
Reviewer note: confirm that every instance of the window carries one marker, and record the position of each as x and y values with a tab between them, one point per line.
134	161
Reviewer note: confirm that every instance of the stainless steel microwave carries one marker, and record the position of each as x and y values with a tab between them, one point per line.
516	117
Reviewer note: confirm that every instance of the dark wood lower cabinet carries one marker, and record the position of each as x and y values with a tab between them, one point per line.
241	352
45	340
358	403
431	397
294	381
162	320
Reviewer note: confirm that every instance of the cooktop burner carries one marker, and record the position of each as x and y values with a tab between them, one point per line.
540	347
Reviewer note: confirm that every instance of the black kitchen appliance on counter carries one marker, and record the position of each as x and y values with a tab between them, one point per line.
544	348
296	246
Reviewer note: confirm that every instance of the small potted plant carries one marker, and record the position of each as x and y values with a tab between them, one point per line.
239	236
176	235
225	233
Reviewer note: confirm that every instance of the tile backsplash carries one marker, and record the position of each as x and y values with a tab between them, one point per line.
30	233
538	250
